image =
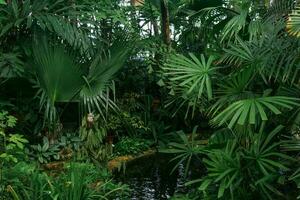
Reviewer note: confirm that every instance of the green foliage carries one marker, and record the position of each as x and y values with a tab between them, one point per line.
235	25
11	65
70	140
24	181
45	152
47	15
232	63
7	121
92	132
270	63
189	81
296	177
78	181
131	146
81	181
12	145
95	93
245	111
161	138
191	74
65	147
74	184
182	197
223	168
293	24
186	150
253	167
292	144
125	123
51	64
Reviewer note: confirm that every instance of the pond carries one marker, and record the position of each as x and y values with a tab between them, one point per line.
150	177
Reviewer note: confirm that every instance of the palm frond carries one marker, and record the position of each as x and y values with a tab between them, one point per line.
185	150
293	24
238	54
95	93
273	58
247	111
58	77
224	168
191	74
235	25
279	8
234	88
51	16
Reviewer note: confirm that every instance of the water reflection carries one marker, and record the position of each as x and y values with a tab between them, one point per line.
150	178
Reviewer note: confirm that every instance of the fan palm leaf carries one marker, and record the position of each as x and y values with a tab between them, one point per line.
193	75
223	167
274	58
95	93
247	111
186	150
234	88
59	77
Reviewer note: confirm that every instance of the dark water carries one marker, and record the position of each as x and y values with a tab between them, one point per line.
150	179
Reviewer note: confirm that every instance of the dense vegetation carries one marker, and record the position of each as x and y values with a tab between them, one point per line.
83	82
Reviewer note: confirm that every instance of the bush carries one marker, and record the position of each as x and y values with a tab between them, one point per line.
131	146
77	181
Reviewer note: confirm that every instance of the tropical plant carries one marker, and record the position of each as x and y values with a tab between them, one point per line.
293	24
45	152
11	65
46	15
93	135
185	151
224	168
74	185
251	165
52	63
92	132
292	144
189	79
227	65
131	146
11	146
79	181
256	59
25	181
296	177
245	111
191	73
70	140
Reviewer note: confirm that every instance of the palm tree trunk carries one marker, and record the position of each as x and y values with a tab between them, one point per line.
165	19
